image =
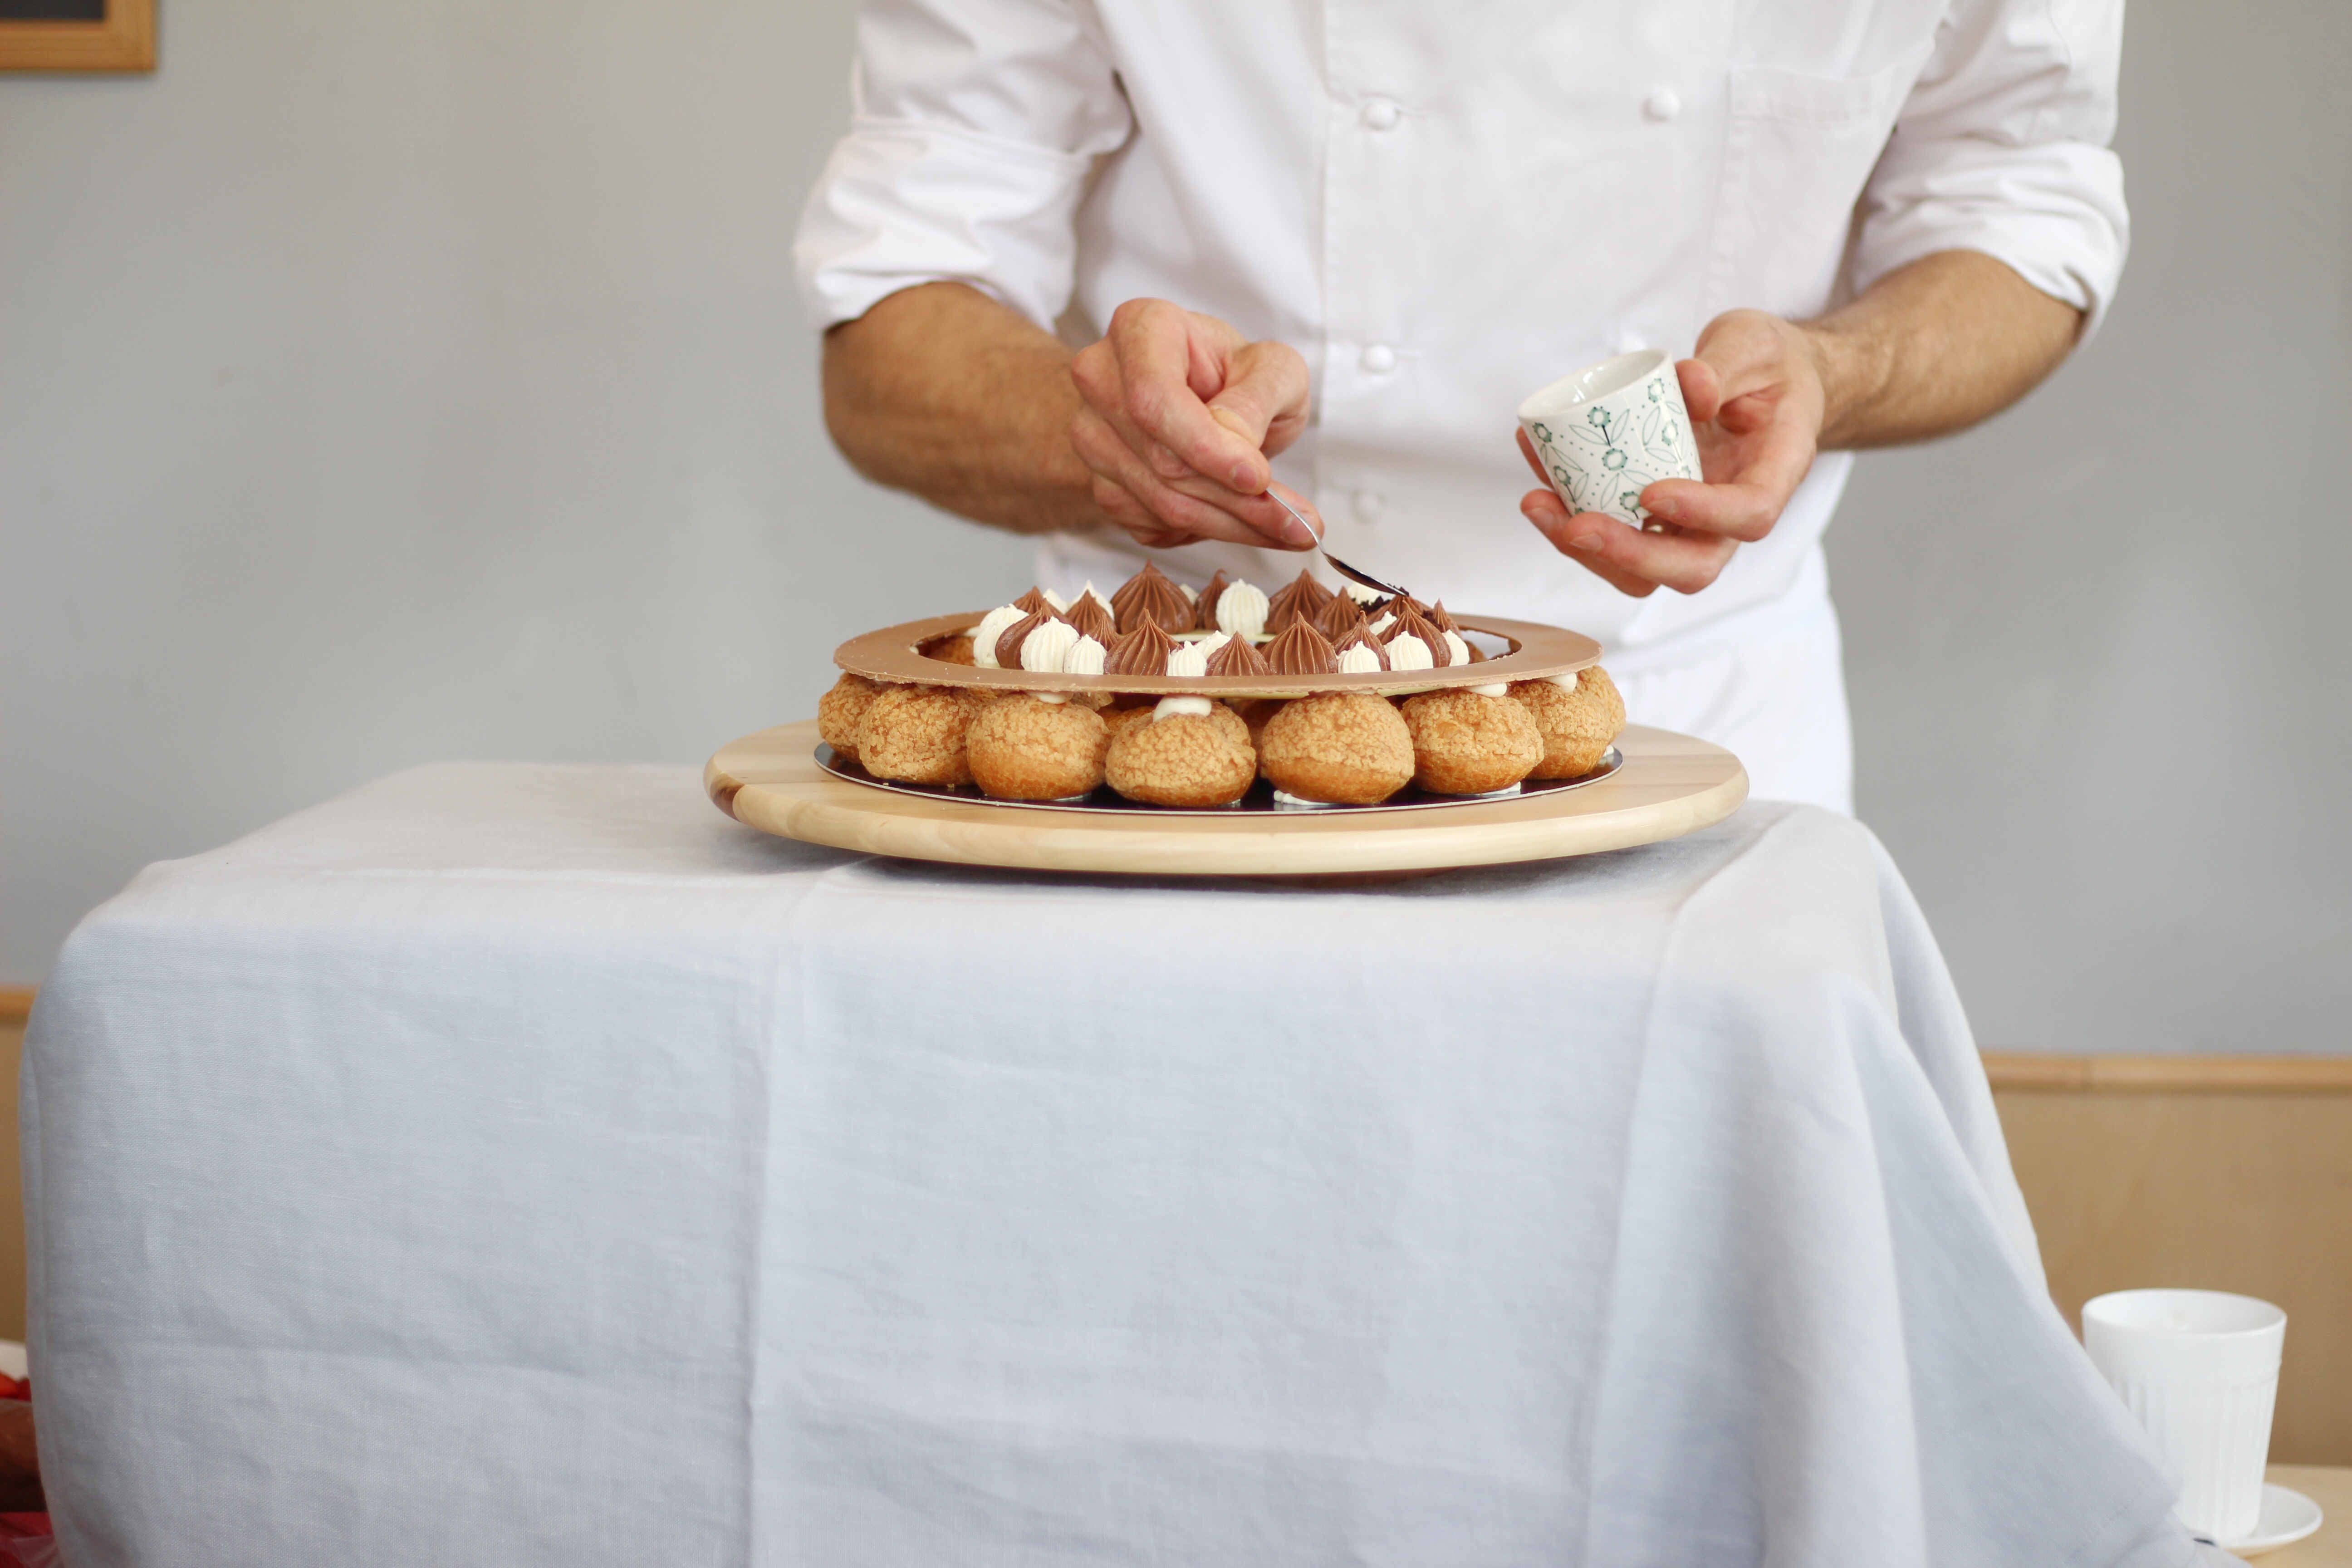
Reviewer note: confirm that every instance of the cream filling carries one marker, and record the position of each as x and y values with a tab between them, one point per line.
1043	649
1053	697
991	626
1565	683
1181	707
1084	657
1241	610
1499	689
1409	653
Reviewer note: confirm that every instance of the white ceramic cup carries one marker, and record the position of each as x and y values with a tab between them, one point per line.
2199	1368
1606	432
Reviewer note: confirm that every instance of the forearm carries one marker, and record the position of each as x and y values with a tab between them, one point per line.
941	391
1934	347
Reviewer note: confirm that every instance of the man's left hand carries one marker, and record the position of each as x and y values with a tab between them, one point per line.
1754	389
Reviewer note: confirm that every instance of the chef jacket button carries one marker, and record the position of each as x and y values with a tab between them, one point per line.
1367	504
1663	104
1383	113
1380	359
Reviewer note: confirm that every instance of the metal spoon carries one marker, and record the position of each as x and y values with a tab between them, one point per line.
1342	567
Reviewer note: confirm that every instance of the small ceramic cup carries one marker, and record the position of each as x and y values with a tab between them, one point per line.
1607	433
2199	1368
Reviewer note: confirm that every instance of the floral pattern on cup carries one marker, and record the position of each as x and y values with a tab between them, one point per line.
1603	455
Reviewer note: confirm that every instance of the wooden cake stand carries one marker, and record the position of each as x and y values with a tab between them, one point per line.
1670	784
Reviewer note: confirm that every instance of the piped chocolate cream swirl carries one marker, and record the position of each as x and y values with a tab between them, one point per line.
1204	609
1301	599
1235	655
1149	598
1035	600
1410	622
1445	623
1143	651
1008	644
1300	649
1092	619
1359	652
1340	617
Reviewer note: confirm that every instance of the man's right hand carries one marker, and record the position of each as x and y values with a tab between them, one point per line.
1181	415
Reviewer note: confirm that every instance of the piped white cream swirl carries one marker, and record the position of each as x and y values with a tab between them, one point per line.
991	626
1084	657
1456	646
1186	658
1181	707
1241	610
1042	650
1358	657
1409	652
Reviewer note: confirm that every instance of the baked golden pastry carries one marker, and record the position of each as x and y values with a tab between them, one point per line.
1118	719
1343	747
1028	749
1465	744
1576	723
1176	755
1254	712
839	711
915	734
956	649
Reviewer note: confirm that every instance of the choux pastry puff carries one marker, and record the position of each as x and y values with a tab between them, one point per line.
1026	746
1578	717
1187	750
915	734
1340	748
1468	741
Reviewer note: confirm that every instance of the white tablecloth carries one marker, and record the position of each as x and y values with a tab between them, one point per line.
515	1164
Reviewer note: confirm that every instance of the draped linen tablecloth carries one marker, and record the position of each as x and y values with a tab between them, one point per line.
516	1165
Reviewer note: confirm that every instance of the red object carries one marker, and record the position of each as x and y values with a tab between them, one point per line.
24	1526
15	1387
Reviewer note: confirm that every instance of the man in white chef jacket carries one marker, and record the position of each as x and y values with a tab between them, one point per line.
1101	269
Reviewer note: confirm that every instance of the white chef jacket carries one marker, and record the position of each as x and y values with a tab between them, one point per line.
1445	207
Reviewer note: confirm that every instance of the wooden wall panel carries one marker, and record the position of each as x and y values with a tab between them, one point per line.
2219	1190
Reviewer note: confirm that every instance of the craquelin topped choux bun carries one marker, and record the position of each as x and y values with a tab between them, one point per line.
1187	751
1577	716
839	711
1342	748
915	734
1469	743
1028	748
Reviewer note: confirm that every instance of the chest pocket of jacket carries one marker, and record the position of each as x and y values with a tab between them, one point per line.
1797	153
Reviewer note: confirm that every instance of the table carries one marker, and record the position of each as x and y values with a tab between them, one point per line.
2331	1488
526	1165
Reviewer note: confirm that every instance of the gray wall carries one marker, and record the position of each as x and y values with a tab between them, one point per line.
387	383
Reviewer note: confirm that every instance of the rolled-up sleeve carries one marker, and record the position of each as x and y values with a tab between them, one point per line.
2001	147
975	124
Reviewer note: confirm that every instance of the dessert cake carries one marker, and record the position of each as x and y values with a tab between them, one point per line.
1089	726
